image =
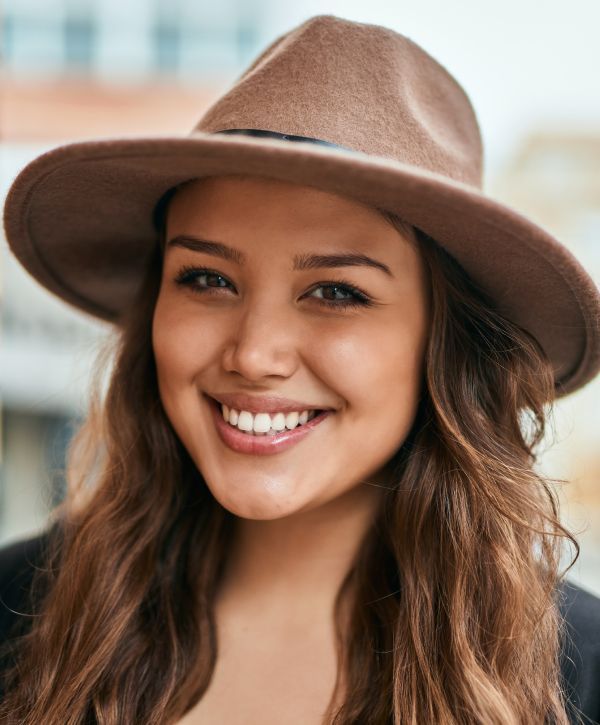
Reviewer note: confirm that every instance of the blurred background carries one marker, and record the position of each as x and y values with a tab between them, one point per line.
81	69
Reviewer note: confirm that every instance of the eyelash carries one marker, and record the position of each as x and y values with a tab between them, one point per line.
186	276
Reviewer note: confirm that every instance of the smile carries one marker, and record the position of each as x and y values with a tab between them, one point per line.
266	443
265	423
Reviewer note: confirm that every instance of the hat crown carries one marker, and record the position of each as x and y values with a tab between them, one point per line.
362	87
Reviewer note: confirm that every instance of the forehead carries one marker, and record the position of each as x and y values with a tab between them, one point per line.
238	207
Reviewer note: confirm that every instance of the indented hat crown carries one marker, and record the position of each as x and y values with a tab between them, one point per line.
363	87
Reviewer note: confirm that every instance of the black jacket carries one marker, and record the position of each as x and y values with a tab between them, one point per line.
580	657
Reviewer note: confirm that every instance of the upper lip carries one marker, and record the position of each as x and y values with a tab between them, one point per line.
264	403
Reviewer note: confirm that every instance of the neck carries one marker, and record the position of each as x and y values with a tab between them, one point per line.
294	566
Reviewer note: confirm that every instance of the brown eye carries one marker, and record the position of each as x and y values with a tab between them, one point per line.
337	288
193	277
356	297
213	276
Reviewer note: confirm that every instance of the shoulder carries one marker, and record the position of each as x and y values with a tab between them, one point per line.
581	611
580	655
19	560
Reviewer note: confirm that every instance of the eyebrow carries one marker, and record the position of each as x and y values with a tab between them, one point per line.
300	261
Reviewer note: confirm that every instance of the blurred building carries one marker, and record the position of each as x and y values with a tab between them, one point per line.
553	179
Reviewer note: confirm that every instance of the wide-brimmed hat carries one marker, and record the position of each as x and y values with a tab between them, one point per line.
352	108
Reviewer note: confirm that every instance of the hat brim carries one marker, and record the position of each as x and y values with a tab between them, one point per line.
79	218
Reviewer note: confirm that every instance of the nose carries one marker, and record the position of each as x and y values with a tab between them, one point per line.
264	340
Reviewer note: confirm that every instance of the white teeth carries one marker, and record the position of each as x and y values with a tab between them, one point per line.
278	422
291	420
263	423
245	421
232	415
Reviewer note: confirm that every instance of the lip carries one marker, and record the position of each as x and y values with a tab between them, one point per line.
260	445
264	403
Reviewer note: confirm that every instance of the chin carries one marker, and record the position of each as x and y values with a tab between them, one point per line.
256	510
267	500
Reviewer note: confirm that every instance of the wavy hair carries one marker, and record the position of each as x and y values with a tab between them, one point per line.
454	618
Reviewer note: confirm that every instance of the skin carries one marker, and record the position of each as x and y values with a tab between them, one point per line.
302	513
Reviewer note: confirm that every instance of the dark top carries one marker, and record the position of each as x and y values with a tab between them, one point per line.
580	655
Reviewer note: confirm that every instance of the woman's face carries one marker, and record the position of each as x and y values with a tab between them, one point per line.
275	325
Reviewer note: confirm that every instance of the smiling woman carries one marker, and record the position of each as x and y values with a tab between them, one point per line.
309	494
263	327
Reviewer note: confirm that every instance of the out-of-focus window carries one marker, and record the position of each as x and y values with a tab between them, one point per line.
32	42
79	37
167	45
127	39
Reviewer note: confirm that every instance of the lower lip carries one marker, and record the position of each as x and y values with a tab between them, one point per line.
261	445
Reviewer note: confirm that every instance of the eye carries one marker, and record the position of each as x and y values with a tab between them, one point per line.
356	298
208	281
195	279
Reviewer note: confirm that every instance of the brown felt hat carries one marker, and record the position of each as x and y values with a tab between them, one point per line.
352	108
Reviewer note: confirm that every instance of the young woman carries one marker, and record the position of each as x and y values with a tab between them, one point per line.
308	493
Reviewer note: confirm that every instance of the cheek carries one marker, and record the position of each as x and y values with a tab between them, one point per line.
181	341
376	361
181	352
378	372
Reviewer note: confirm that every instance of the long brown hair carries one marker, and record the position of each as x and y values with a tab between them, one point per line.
455	617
